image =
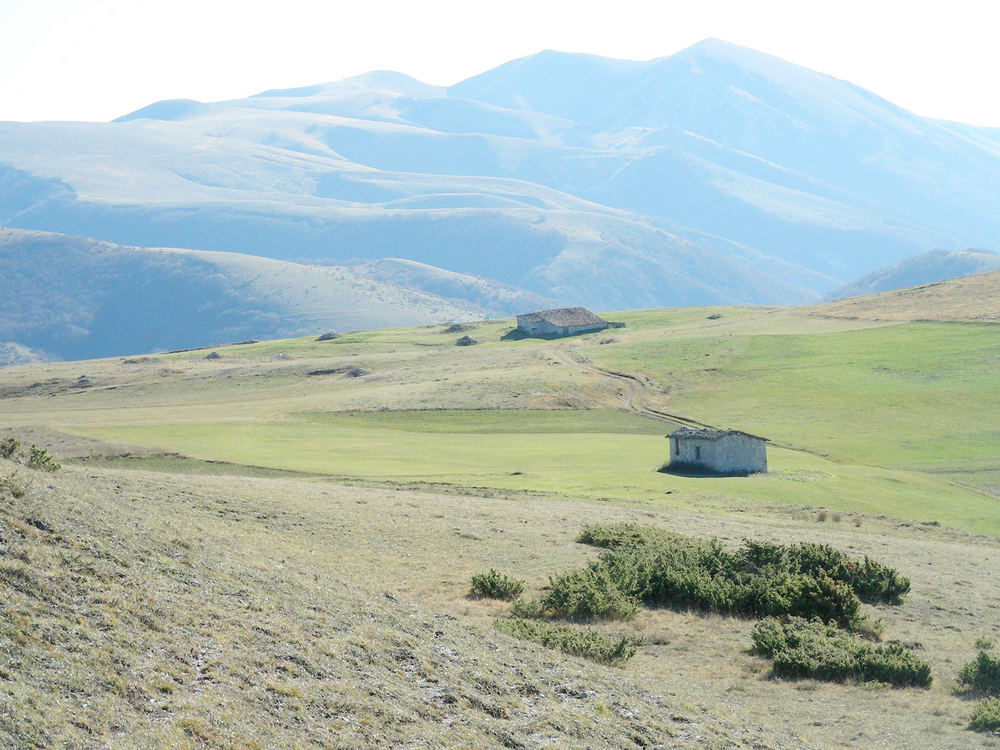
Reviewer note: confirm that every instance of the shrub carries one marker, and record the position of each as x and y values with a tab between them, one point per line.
496	585
39	458
769	637
808	648
986	716
821	596
611	535
870	580
9	446
758	579
576	641
982	673
588	594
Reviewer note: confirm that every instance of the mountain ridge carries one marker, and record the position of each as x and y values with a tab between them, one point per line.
936	265
715	175
76	298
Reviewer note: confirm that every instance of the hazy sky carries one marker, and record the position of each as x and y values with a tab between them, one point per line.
98	59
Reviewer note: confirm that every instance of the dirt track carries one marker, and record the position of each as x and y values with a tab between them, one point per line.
637	388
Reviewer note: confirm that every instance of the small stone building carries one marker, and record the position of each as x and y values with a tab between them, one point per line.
564	321
718	451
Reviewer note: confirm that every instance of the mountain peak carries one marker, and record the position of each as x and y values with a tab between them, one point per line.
388	81
168	109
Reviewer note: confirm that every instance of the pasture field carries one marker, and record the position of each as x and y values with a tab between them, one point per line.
910	395
273	548
563	461
864	417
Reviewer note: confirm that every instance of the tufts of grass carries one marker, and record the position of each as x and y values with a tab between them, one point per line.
9	446
576	641
802	648
12	486
496	585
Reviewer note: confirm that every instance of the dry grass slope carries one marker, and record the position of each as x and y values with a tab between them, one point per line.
157	610
150	611
969	298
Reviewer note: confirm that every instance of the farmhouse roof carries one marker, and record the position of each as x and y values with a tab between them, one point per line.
706	433
564	316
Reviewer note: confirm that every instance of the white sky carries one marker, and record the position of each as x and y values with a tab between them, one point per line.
98	59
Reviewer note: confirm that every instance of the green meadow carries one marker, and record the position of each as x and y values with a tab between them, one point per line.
918	395
899	420
586	455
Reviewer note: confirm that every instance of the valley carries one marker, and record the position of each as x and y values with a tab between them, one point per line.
271	543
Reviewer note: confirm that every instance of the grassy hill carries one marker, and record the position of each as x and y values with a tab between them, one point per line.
253	544
970	298
77	298
937	265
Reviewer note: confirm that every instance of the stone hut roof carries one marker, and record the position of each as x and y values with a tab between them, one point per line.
564	316
706	433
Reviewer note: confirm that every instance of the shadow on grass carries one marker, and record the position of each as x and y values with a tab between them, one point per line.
695	470
517	334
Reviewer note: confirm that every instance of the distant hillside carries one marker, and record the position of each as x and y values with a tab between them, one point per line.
461	288
937	265
12	353
76	298
968	298
718	175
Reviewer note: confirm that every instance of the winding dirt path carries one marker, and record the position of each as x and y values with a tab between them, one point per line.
637	388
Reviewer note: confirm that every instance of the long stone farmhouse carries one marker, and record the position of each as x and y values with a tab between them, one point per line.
564	321
719	451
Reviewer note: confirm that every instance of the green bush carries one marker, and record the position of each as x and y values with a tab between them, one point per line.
808	648
588	594
576	641
986	716
702	574
982	673
9	446
610	535
496	585
758	579
39	458
870	580
657	568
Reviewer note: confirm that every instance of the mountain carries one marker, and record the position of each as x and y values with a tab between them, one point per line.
12	353
460	288
937	265
778	143
74	298
715	175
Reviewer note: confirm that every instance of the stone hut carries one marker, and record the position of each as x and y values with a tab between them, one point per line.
719	451
564	321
